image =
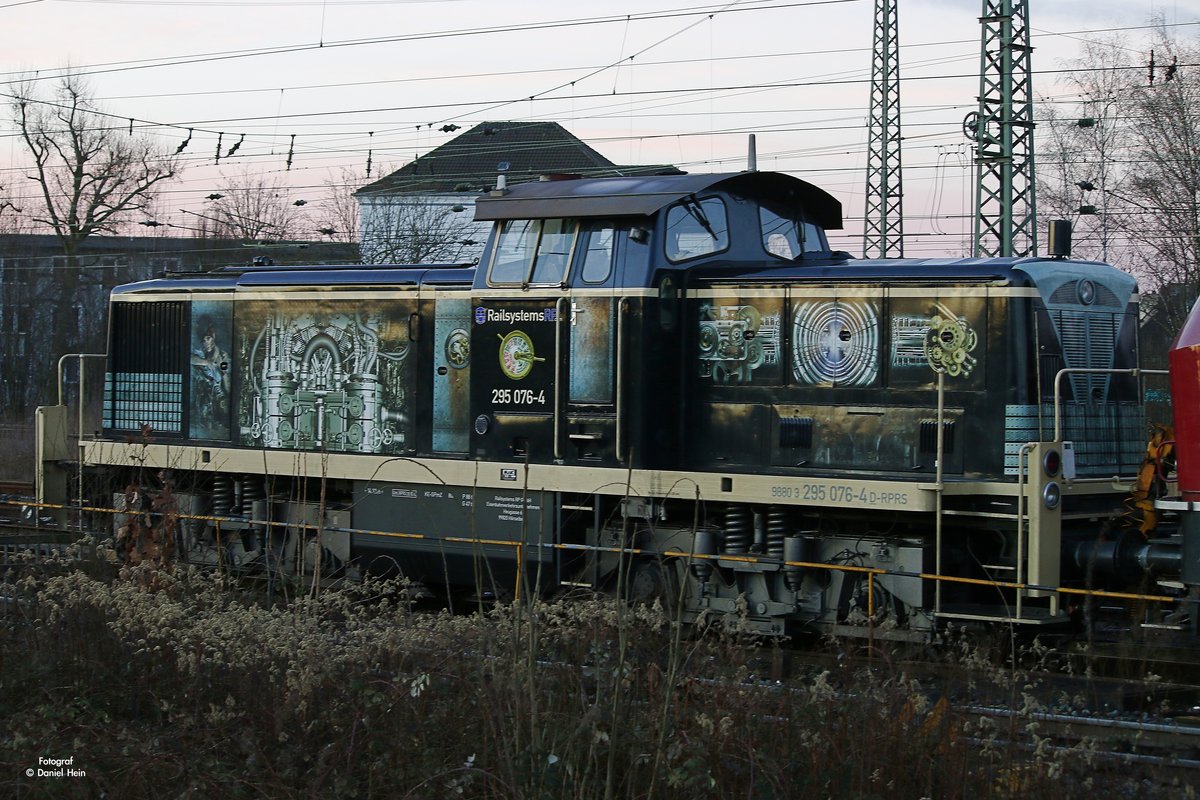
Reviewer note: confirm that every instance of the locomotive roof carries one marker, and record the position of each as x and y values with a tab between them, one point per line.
1021	271
642	196
387	274
229	278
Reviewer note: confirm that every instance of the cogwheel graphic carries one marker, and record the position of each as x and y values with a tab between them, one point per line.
750	315
756	356
949	342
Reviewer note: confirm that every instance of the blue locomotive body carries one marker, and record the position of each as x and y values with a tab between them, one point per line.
674	374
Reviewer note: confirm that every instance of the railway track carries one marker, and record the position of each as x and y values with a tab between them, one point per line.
18	536
1170	743
1121	722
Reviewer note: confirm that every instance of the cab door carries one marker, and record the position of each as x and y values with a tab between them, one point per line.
516	340
591	348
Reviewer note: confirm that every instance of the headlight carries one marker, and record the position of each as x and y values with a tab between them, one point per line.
1087	292
1051	495
1052	463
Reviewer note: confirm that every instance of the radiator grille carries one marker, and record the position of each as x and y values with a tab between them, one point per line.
928	440
796	432
147	359
1109	439
1089	341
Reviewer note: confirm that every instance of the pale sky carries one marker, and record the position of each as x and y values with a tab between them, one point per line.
332	73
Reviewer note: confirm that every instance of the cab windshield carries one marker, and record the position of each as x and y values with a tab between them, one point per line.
786	234
533	251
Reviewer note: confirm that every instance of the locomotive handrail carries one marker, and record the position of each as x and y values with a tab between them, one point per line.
81	357
620	402
79	429
1022	509
558	328
940	486
1134	371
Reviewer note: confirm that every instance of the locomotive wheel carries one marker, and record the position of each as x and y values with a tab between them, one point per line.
652	581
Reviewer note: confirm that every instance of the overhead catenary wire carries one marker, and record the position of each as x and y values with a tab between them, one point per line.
313	153
198	58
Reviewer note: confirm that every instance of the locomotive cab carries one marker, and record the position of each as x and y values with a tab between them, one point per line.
579	336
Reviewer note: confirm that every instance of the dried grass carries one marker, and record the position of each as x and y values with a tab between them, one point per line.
180	685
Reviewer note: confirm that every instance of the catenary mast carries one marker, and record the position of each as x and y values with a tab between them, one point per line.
883	224
1005	211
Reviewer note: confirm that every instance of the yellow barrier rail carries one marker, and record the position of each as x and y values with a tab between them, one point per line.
521	546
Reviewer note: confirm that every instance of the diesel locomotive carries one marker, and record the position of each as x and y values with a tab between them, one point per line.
667	386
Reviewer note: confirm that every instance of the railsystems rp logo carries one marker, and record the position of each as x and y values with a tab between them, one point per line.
480	315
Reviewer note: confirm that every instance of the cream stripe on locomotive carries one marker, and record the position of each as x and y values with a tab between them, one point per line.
308	293
843	290
159	296
543	293
787	490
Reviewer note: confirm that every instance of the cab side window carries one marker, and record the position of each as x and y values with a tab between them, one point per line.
598	255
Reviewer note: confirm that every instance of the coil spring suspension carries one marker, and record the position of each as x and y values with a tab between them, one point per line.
739	529
777	530
222	495
252	489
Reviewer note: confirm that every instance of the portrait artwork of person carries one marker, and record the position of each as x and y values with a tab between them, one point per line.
210	387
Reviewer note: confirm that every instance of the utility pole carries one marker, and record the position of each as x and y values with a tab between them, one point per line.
1005	211
883	221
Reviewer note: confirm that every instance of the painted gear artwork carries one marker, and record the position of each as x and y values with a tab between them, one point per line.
320	381
835	342
735	341
949	343
458	349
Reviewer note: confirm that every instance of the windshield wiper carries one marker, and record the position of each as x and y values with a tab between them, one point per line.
693	207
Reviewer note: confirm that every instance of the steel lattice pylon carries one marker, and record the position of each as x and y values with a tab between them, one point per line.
883	226
1005	211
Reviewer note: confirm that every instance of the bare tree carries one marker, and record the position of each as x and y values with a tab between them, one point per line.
12	219
337	217
1130	161
253	206
1163	186
1079	158
91	175
417	230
